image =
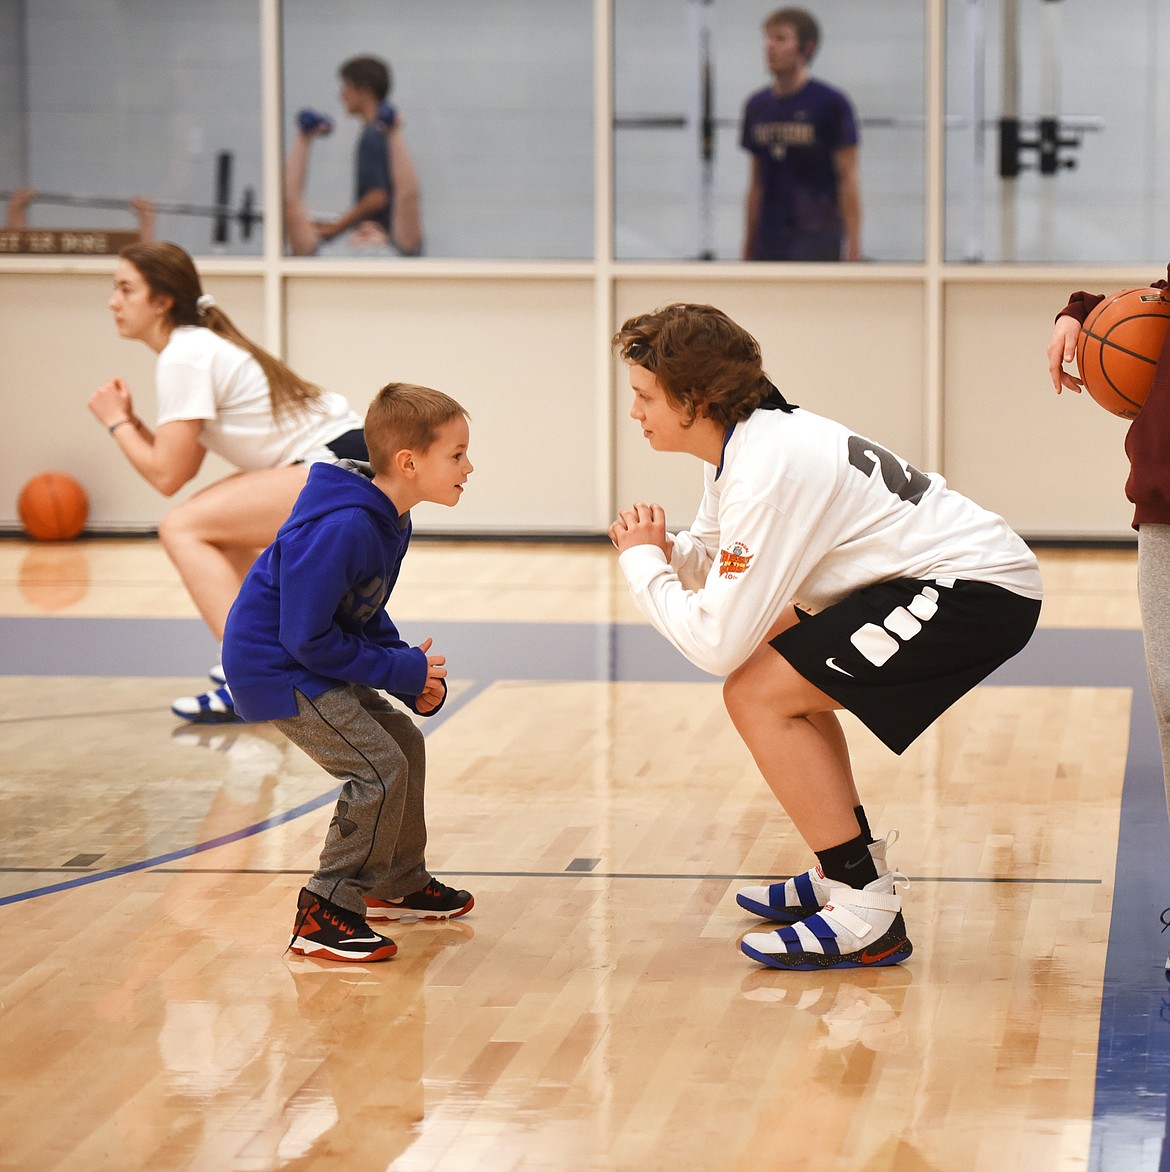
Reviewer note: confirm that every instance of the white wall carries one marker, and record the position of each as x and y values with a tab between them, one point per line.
518	354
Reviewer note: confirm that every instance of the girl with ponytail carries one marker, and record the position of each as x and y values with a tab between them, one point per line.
217	391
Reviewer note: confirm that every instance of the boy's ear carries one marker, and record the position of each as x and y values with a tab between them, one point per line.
404	462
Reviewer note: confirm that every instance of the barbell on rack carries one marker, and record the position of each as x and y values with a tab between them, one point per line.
246	215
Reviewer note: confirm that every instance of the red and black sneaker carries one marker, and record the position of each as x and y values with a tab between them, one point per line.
335	933
436	901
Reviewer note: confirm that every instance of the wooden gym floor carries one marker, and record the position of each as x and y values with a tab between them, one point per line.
593	1011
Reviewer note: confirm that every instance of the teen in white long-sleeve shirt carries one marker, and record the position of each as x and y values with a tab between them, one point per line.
908	595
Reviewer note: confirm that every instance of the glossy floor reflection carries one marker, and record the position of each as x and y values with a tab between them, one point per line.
593	1011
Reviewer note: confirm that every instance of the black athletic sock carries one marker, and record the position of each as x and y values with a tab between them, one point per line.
849	863
863	822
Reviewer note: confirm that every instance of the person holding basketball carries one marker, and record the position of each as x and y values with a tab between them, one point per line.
217	391
821	572
1147	444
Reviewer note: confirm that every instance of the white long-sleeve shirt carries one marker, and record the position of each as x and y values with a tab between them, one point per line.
803	511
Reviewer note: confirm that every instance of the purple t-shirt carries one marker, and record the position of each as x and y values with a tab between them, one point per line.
795	138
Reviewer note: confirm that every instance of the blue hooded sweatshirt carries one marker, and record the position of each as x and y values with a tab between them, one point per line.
310	615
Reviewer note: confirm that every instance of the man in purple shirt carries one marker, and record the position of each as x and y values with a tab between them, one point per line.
804	201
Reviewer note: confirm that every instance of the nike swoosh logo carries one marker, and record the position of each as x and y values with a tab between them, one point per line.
868	957
832	662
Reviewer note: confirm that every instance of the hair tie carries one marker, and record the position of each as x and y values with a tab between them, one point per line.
203	303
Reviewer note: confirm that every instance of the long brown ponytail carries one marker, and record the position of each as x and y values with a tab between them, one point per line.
170	272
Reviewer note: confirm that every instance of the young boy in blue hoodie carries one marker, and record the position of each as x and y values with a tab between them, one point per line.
309	647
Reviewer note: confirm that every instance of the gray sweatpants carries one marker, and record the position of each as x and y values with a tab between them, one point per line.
378	836
1154	597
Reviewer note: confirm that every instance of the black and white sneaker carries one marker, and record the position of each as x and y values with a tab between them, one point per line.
436	901
323	929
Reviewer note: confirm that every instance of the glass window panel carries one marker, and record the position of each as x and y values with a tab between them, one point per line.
496	109
676	199
1101	71
102	103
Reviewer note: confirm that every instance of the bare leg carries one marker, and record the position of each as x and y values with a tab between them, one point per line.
303	236
212	538
794	735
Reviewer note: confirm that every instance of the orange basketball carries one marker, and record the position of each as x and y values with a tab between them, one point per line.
53	507
1118	348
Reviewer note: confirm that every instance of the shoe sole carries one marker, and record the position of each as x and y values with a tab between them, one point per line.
775	915
878	955
412	914
323	952
208	717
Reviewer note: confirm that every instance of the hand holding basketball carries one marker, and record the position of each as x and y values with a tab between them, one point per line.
1119	347
1062	349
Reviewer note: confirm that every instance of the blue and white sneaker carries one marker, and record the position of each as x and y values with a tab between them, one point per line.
216	675
802	895
215	707
311	122
856	928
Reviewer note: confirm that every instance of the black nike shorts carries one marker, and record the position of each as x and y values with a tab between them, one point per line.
898	654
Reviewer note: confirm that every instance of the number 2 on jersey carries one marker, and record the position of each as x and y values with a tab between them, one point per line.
905	482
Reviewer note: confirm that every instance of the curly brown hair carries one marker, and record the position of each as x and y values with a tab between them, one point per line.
702	359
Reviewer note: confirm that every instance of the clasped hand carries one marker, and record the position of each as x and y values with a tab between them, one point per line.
434	689
641	524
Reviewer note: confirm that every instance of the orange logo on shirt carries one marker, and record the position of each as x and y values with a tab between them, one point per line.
733	561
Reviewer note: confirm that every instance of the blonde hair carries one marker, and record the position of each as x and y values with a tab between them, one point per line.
404	415
170	272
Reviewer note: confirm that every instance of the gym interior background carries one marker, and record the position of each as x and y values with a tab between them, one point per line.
577	158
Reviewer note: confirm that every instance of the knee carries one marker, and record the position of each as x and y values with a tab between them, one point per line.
737	691
409	738
172	529
180	529
764	685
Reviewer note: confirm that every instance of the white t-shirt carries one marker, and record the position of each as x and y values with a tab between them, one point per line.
804	511
202	376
